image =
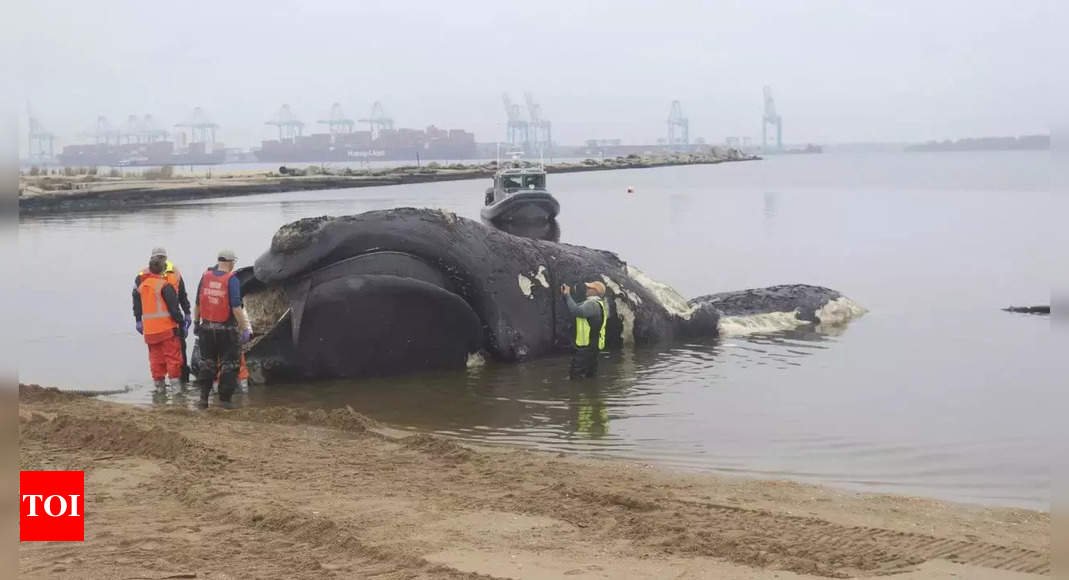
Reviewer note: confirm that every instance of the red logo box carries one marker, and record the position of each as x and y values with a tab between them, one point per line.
51	506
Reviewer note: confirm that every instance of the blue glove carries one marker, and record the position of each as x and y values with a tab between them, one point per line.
186	324
140	327
246	335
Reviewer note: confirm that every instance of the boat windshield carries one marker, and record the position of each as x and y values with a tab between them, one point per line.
514	183
511	183
537	181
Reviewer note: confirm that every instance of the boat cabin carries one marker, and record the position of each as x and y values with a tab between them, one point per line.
519	194
513	180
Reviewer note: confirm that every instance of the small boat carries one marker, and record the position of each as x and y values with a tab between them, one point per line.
519	195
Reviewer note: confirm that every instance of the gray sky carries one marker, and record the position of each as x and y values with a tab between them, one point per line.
841	70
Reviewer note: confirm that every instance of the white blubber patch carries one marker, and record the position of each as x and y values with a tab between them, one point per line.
476	360
449	217
671	300
612	285
624	309
525	286
832	315
619	291
839	311
541	277
627	317
763	323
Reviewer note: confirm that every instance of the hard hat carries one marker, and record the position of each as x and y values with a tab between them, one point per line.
597	287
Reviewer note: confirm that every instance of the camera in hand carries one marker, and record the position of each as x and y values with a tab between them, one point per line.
578	290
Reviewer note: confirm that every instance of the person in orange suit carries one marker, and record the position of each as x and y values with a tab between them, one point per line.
174	278
158	317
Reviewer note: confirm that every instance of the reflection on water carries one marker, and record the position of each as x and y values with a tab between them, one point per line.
771	199
934	392
534	402
683	407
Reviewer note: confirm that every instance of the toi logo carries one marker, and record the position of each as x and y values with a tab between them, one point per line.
51	506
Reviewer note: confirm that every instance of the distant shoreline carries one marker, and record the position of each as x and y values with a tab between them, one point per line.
1022	143
44	195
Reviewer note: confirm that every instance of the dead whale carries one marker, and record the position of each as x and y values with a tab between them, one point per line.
400	290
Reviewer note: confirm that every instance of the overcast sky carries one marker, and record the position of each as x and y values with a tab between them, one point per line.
841	71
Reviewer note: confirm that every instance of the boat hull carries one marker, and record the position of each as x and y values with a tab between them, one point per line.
523	206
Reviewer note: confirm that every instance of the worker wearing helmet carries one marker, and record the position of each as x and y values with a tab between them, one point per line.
222	327
159	319
173	277
591	317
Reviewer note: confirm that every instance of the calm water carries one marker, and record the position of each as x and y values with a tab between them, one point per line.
934	392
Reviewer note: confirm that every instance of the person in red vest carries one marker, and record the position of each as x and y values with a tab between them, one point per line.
159	319
174	278
222	327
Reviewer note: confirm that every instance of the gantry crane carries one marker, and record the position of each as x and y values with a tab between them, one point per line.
289	126
771	118
678	126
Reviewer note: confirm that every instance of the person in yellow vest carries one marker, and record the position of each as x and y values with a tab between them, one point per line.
159	319
591	316
174	278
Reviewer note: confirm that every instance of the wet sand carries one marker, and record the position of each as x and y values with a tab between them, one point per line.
286	493
60	194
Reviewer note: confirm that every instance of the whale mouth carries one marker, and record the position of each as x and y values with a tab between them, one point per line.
379	312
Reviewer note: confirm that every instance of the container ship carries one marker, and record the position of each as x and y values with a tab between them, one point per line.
141	142
141	154
384	145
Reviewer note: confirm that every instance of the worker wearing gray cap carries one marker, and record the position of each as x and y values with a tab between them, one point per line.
173	277
222	327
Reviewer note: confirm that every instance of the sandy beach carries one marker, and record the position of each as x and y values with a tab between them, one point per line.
286	493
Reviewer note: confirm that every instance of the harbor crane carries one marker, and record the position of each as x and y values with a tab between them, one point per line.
201	128
131	130
289	126
540	128
42	143
378	121
106	134
678	126
518	129
771	118
142	130
338	123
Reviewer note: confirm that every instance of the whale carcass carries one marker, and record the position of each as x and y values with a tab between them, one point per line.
399	290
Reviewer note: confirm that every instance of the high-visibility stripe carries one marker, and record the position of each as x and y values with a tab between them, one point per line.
157	310
582	327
